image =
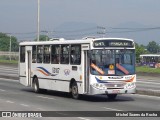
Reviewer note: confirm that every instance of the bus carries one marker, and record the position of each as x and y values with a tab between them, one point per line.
89	66
151	60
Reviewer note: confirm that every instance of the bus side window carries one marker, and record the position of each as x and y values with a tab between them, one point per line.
55	49
75	55
64	54
46	54
34	54
22	54
39	54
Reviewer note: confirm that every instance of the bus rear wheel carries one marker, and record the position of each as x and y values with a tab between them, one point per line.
74	91
112	96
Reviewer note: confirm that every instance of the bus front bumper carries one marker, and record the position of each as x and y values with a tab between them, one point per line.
94	91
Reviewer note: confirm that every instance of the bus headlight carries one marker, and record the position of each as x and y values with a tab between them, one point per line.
130	85
99	86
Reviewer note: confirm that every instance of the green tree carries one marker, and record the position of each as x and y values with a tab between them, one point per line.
43	38
153	47
5	42
140	49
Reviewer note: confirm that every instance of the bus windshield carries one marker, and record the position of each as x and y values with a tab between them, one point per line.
113	62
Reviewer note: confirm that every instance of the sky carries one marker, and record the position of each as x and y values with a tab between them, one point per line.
20	16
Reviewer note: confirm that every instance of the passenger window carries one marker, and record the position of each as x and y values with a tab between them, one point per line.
64	54
55	54
22	54
75	54
39	54
46	54
34	55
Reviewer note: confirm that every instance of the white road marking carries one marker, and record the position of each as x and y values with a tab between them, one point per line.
41	109
9	101
148	82
82	118
2	90
24	105
146	96
46	97
112	109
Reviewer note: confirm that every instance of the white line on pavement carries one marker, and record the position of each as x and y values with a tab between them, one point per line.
82	118
148	82
24	105
2	90
146	96
46	97
112	109
9	101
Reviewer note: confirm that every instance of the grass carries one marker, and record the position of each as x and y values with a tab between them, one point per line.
9	61
146	69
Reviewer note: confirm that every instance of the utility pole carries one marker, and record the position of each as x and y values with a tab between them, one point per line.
10	47
38	21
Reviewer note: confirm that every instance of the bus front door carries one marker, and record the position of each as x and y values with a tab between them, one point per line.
28	65
86	72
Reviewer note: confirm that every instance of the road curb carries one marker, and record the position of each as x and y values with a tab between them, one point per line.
148	92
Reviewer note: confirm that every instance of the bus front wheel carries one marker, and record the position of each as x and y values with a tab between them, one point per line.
74	91
36	85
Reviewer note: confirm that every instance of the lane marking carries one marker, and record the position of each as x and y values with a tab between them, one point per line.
148	82
62	113
41	109
152	90
82	118
9	101
112	109
145	96
2	90
46	97
24	105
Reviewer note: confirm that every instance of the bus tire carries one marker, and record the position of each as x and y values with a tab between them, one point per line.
36	85
74	91
112	96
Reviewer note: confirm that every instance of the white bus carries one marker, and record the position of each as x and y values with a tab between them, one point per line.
88	66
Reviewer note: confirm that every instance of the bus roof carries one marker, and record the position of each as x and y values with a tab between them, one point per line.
63	41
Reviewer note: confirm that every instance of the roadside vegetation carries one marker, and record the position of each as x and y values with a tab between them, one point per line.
8	61
146	69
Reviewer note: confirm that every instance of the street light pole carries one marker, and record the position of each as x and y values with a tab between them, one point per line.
10	47
38	21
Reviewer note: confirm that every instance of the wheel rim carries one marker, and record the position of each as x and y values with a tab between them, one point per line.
35	87
74	91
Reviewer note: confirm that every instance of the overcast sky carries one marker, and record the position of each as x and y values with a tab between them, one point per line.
21	15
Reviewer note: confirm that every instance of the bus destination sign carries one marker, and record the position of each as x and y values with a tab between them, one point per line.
113	43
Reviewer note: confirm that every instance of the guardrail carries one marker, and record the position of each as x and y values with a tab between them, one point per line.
9	55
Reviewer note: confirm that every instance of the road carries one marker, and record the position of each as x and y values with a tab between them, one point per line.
16	97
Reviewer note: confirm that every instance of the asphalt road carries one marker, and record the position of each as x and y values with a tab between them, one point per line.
16	97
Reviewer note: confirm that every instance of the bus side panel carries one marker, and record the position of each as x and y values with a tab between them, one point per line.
57	77
22	74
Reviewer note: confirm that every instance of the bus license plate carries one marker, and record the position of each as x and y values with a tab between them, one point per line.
115	91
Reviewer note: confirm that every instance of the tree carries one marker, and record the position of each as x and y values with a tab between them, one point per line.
5	43
153	47
140	49
43	38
